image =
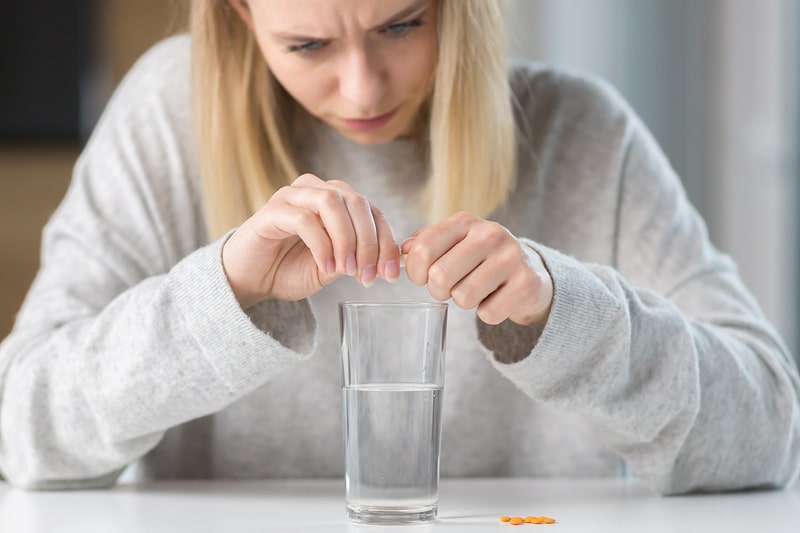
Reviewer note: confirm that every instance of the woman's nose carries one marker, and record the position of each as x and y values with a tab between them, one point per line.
362	83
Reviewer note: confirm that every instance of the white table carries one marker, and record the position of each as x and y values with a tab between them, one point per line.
469	505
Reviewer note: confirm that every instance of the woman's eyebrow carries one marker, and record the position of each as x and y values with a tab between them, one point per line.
416	7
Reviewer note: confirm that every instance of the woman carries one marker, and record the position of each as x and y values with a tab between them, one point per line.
184	315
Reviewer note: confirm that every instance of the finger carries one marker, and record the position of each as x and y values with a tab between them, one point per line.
308	180
525	297
388	249
362	214
329	204
494	309
366	236
362	252
369	229
408	240
476	286
307	225
431	243
405	246
507	302
454	266
339	184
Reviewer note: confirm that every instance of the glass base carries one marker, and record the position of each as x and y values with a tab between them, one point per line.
391	515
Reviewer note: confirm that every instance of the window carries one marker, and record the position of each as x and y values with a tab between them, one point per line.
44	58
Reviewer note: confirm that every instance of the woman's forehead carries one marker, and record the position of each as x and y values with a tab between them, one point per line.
322	17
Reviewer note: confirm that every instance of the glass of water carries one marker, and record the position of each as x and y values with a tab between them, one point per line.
393	377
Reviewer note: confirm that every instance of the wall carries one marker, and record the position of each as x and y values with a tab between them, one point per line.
713	81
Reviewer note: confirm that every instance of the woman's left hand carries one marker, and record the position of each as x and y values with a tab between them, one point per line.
480	264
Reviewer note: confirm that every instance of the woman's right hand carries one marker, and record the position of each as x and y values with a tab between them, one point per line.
303	238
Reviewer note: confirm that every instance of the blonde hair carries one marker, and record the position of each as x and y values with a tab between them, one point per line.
244	118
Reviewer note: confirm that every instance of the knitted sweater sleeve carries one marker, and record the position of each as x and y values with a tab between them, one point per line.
130	327
665	349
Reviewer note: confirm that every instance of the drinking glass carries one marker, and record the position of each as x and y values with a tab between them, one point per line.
393	359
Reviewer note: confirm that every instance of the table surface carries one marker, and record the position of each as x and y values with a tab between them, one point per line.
465	505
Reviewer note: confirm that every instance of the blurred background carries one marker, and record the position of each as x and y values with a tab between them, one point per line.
717	81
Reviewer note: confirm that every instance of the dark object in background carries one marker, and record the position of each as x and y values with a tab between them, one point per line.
45	58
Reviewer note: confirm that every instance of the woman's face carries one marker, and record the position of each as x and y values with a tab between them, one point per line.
364	67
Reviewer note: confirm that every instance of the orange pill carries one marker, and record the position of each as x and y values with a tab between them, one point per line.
548	520
505	518
529	519
517	520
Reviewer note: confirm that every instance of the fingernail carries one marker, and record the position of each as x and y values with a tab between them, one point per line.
350	265
368	276
330	267
391	271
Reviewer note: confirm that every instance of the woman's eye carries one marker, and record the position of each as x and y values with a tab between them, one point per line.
402	28
310	46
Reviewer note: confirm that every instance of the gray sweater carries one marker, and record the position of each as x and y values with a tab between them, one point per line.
131	349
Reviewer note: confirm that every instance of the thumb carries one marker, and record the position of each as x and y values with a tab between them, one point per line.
405	246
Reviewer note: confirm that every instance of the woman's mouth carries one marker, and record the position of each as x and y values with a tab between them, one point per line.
362	124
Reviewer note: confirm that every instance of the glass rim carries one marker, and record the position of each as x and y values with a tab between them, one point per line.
409	304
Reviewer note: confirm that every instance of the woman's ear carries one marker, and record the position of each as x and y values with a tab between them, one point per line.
243	10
